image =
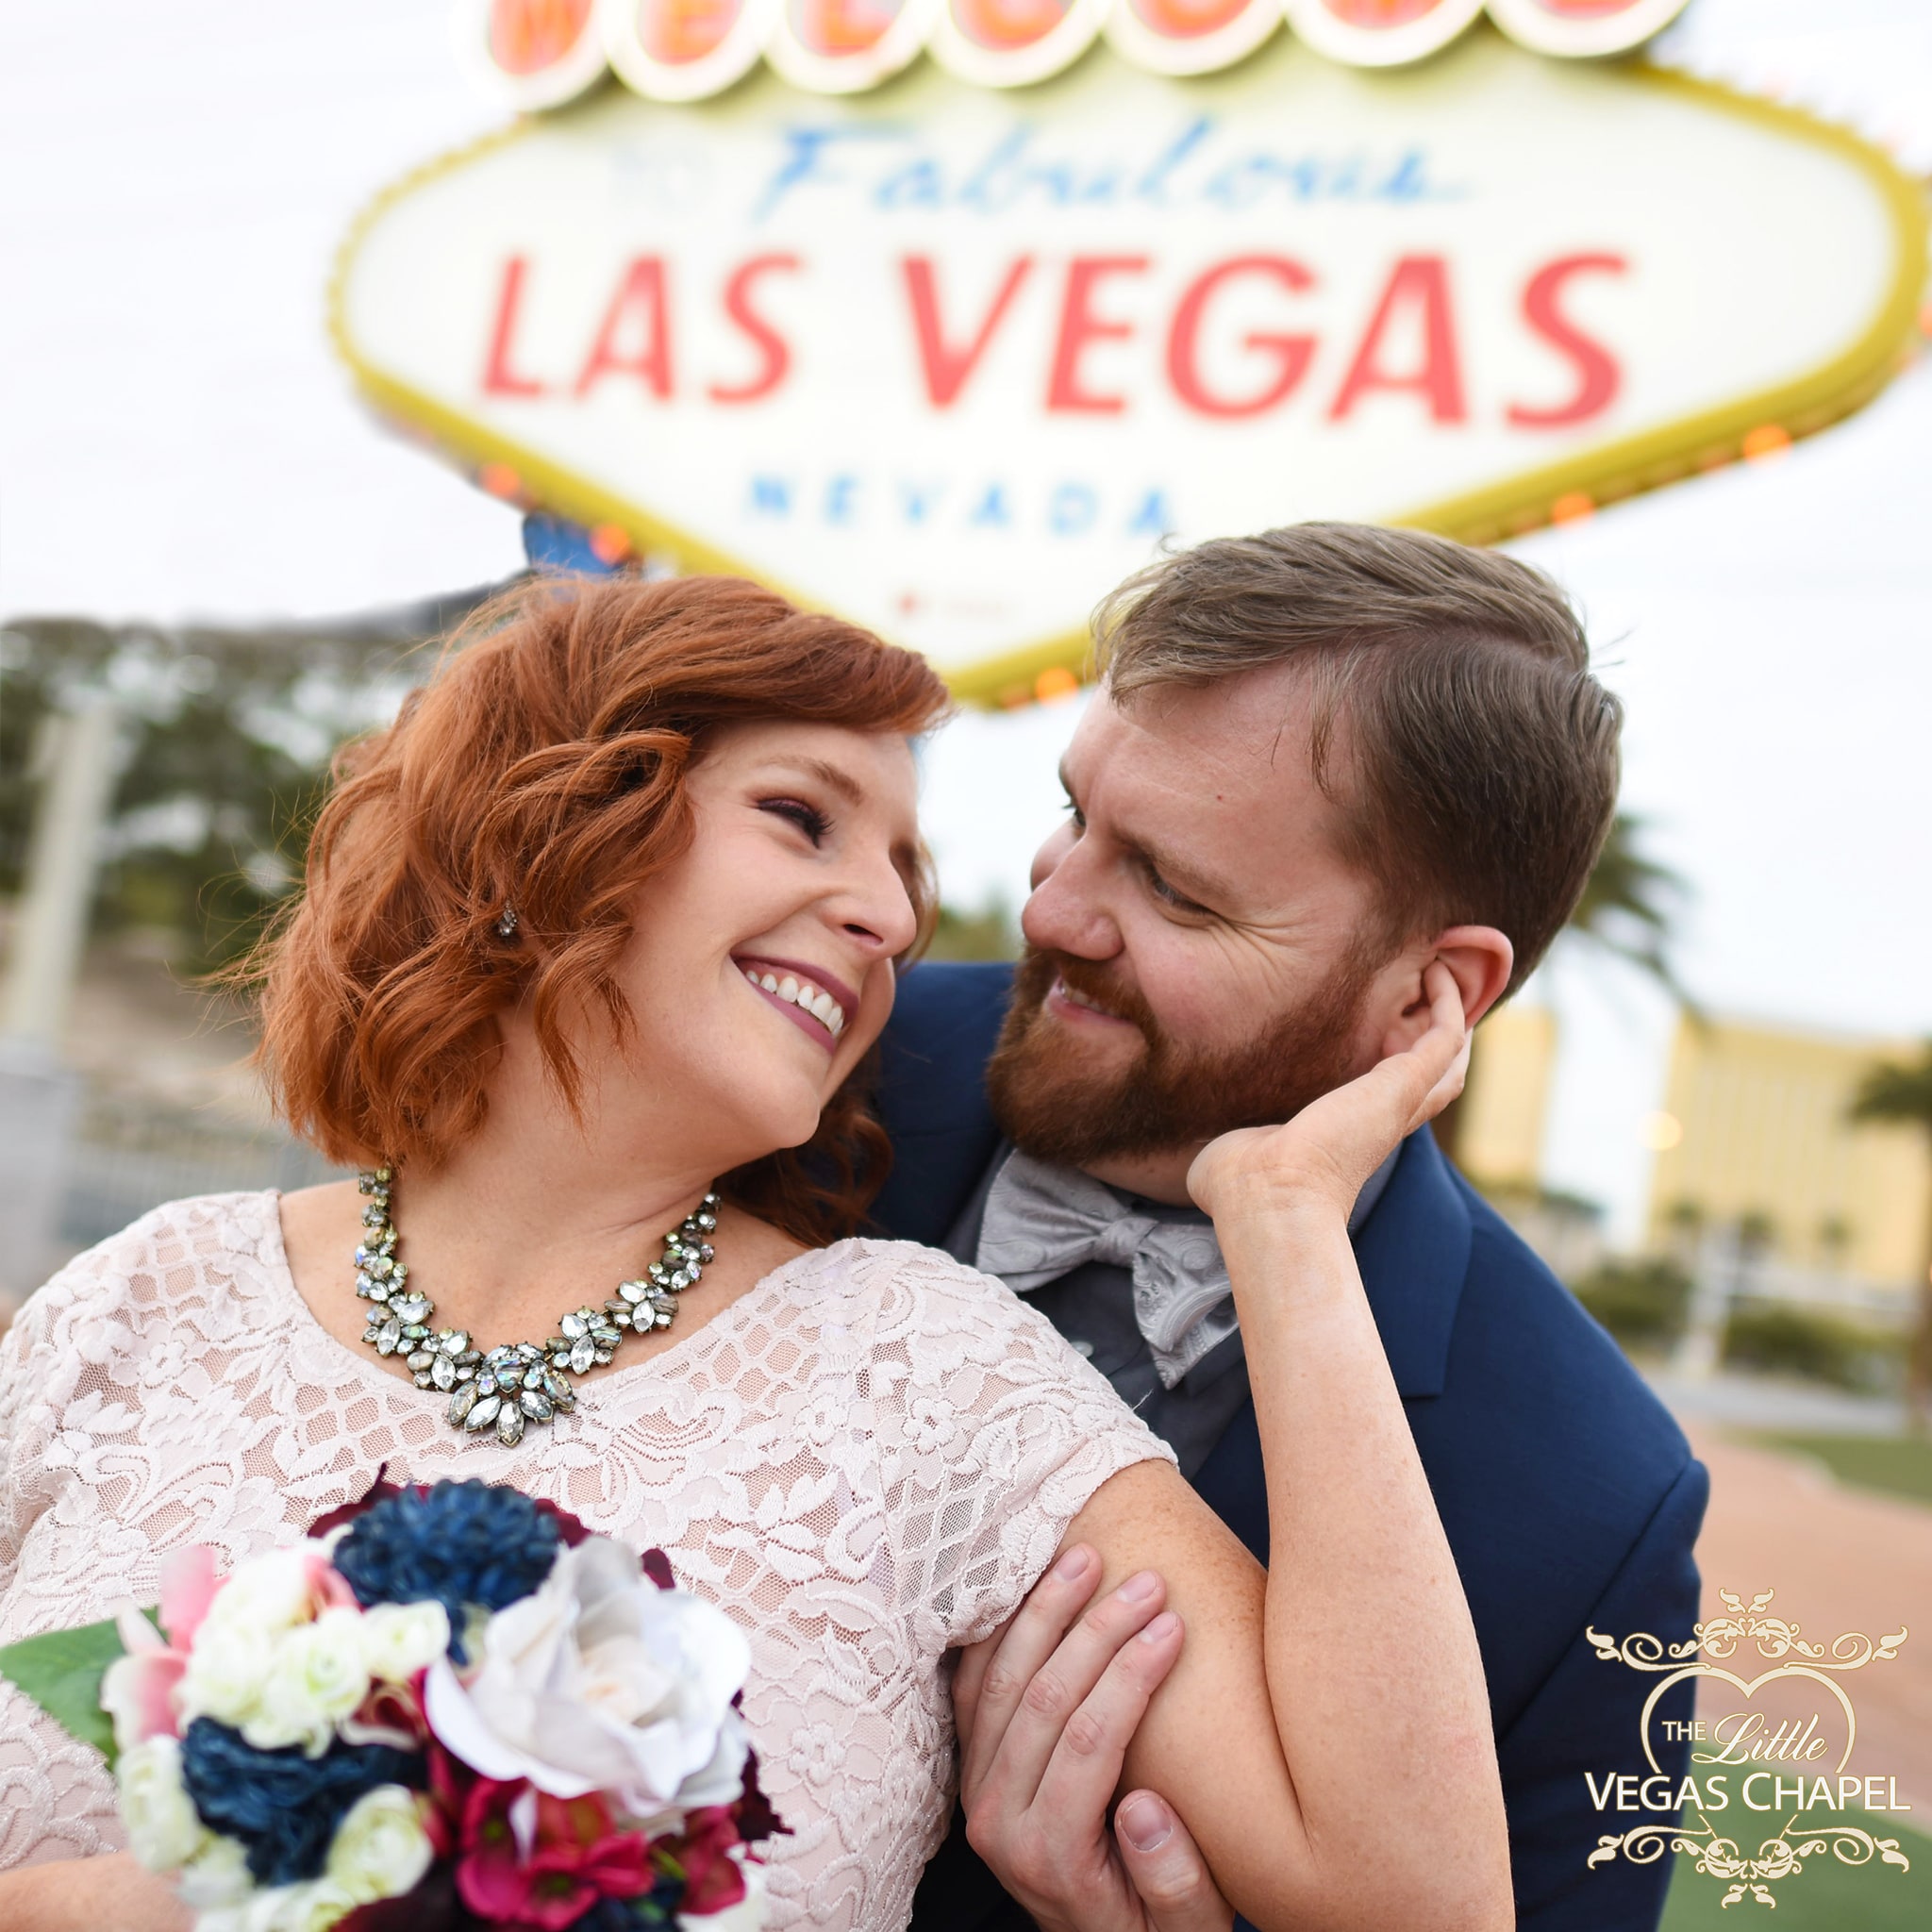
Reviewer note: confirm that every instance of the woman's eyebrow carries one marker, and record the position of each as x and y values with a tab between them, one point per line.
834	776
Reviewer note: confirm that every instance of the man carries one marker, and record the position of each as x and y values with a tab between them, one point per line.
1322	759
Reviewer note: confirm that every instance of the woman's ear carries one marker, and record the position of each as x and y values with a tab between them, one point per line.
1479	958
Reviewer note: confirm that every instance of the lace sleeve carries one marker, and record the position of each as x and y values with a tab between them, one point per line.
993	1435
22	1365
57	1799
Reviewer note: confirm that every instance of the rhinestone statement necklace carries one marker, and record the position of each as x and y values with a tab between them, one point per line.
518	1382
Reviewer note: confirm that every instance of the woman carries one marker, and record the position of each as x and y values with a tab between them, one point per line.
607	923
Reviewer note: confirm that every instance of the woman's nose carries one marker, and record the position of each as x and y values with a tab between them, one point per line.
878	914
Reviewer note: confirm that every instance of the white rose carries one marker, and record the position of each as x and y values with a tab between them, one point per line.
399	1640
601	1681
223	1918
165	1830
312	1906
316	1678
267	1594
747	1915
216	1878
225	1674
380	1849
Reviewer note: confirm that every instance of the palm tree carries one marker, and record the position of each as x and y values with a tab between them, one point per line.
1630	904
1902	1093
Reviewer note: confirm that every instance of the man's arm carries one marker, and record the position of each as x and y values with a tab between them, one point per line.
1587	1718
931	1095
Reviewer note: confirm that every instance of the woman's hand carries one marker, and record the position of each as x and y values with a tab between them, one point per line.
106	1893
1328	1150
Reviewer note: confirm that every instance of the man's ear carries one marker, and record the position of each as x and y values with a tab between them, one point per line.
1481	959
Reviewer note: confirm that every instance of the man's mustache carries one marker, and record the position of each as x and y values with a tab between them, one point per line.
1093	982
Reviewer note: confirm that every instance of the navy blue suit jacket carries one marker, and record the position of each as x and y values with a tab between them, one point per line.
1569	1497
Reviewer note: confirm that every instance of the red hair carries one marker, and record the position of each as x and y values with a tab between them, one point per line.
543	767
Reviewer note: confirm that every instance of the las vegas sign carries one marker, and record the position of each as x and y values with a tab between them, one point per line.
951	346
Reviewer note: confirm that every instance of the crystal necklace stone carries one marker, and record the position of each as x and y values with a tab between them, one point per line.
517	1383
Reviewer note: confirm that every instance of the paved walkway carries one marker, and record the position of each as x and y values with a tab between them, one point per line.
1775	1403
1839	1560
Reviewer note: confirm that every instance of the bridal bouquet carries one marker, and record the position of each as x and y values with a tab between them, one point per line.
447	1708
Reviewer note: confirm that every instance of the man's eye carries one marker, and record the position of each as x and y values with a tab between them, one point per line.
1168	896
1078	817
808	817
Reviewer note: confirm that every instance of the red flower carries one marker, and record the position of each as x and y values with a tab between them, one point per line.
713	1879
524	1859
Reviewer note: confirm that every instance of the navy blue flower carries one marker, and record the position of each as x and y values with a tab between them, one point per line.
283	1805
460	1544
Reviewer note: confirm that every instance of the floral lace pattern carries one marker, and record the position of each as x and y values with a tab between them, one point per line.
866	1461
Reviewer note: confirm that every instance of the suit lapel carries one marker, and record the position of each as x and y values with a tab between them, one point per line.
1413	1252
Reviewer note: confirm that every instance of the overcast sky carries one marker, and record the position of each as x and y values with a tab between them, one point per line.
176	440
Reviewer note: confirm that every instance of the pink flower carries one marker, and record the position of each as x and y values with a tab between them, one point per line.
189	1584
137	1691
328	1586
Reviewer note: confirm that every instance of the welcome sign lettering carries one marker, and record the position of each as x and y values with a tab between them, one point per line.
953	361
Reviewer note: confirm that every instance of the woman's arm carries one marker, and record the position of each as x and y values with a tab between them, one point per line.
1326	1733
110	1893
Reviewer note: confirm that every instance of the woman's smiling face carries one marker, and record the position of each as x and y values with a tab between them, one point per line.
760	966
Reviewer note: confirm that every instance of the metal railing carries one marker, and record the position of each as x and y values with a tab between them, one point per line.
125	1160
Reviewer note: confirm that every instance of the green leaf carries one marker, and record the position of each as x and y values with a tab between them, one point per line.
61	1671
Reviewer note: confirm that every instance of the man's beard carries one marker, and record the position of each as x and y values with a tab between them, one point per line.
1055	1103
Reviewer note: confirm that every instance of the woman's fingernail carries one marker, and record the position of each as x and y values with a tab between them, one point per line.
1070	1566
1137	1590
1144	1821
1162	1627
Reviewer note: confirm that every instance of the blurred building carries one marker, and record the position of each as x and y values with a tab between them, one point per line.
1499	1138
1755	1147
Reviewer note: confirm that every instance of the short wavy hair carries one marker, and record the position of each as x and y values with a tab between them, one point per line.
1455	716
544	766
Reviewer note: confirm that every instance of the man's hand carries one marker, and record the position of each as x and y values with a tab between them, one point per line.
1045	1710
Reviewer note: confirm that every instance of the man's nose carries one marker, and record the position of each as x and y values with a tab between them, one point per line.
1067	912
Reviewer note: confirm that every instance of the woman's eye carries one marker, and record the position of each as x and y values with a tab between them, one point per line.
808	817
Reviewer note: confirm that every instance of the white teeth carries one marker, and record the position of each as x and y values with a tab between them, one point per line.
1067	993
803	994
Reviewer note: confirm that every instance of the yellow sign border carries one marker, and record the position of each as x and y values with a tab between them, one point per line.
1765	419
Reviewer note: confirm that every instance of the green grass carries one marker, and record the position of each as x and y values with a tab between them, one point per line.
1897	1464
1825	1896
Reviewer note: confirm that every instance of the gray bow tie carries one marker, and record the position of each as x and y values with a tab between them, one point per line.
1043	1222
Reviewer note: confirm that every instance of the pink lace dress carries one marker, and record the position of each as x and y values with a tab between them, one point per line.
867	1460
